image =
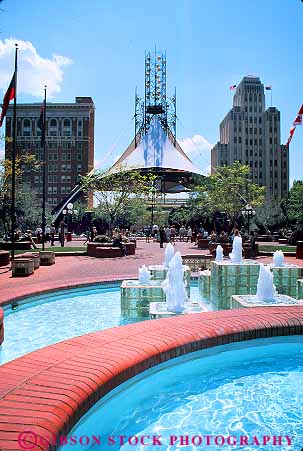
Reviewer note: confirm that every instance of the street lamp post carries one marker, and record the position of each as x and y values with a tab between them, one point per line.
153	191
67	213
248	212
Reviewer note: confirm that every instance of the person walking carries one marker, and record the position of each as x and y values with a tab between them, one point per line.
253	246
47	233
189	234
52	232
167	234
147	234
173	233
155	230
182	233
162	236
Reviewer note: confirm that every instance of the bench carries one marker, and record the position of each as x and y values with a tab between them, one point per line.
93	247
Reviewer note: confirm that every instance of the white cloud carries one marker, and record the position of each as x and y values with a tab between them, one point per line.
198	149
34	71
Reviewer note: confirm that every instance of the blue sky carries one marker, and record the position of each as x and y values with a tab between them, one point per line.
210	44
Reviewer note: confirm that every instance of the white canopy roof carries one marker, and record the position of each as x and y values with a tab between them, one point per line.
155	150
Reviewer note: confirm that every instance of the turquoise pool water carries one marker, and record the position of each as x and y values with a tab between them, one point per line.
252	390
46	319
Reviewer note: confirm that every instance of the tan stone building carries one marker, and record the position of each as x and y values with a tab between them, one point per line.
69	144
251	135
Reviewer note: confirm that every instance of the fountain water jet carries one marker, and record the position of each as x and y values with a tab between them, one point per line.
169	254
236	254
278	259
266	290
219	254
174	286
144	275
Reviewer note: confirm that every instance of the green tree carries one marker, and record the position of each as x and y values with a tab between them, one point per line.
228	190
119	194
268	215
22	206
293	205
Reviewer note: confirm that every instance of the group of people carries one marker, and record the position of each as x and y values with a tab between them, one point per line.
167	234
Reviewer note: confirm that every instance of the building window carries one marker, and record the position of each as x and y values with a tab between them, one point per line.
63	156
79	157
52	179
53	127
79	167
65	179
52	167
79	145
52	157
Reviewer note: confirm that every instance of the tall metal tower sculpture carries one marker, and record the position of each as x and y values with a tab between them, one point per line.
155	101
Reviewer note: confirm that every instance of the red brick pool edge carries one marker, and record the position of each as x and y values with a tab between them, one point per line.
46	392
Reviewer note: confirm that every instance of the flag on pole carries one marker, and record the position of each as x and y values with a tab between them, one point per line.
232	87
298	120
291	134
268	88
9	95
41	125
301	110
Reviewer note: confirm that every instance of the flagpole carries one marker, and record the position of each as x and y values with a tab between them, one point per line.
44	172
13	205
271	97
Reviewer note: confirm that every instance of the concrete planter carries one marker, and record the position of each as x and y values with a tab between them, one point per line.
33	256
203	243
47	258
106	250
4	258
22	267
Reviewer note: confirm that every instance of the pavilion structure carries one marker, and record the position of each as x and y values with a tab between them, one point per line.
155	148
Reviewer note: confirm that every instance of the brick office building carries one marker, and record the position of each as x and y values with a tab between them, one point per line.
69	145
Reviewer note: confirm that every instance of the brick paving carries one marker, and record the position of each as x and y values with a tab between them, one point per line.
77	270
48	391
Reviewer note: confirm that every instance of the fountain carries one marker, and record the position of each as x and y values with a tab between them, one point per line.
266	293
219	254
137	295
144	275
278	259
228	277
174	286
159	272
285	275
236	254
266	290
168	255
175	290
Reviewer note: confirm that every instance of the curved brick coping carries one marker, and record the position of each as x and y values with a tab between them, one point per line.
48	391
73	285
1	326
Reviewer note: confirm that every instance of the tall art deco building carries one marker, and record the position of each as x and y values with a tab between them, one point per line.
250	134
